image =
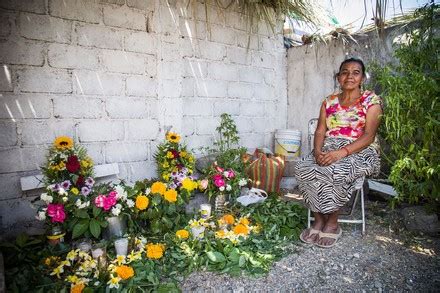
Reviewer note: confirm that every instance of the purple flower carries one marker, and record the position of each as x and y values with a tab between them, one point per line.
85	190
66	184
173	186
90	182
55	187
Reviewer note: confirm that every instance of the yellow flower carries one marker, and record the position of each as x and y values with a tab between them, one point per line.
173	137
125	272
228	219
51	260
78	288
220	234
257	228
158	187
72	279
58	270
155	251
166	177
170	195
241	229
182	234
120	259
72	254
63	143
142	202
88	162
188	184
244	221
114	282
183	154
165	164
74	190
170	155
190	159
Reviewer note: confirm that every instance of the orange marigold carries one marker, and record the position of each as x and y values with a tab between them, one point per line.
182	234
170	195
142	202
244	221
125	272
78	288
228	219
158	187
241	229
155	251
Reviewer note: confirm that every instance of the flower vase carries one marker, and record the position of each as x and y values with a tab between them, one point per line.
219	204
116	228
56	236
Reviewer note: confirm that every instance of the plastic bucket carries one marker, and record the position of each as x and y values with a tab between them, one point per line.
288	143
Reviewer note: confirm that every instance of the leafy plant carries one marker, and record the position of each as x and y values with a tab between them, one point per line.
411	127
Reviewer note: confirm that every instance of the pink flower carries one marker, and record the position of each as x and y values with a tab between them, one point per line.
109	202
99	201
230	173
219	169
204	183
217	177
219	182
56	212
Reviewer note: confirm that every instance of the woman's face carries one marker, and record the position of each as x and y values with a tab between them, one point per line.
350	77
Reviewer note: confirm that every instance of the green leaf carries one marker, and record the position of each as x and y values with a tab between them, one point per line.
216	256
96	211
82	214
95	228
80	228
242	261
21	239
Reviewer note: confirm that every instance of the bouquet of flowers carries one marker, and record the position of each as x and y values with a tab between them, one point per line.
174	162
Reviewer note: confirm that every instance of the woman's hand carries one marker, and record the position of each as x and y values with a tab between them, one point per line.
319	155
326	159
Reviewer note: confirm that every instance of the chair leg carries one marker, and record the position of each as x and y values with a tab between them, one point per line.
308	219
363	211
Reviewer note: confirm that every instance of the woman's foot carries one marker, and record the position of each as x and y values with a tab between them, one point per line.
311	235
329	235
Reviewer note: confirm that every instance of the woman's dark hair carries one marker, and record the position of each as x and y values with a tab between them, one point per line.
353	59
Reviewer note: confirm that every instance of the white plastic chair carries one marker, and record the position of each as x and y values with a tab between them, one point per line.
359	184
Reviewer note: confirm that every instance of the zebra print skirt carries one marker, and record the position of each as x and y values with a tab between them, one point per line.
326	189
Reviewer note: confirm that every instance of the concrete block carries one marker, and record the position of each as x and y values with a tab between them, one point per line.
238	55
126	108
170	88
125	17
153	108
45	131
135	171
117	2
195	68
171	107
171	70
8	135
198	142
95	151
87	82
247	41
223	71
5	25
141	86
251	74
216	15
261	59
143	129
141	42
16	211
10	186
6	79
22	159
35	6
188	87
221	34
188	126
243	124
186	47
260	124
252	141
269	76
45	28
150	65
264	92
212	51
254	109
229	106
212	88
192	29
197	107
44	79
82	10
77	107
237	21
124	62
22	53
126	152
206	125
269	44
100	130
99	36
148	5
25	106
240	90
165	20
66	56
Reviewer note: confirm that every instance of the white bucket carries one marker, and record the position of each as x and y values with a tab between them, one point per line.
288	143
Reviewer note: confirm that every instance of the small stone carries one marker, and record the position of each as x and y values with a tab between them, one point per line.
289	269
356	255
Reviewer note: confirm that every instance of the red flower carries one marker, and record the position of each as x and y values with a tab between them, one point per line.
175	154
80	181
72	164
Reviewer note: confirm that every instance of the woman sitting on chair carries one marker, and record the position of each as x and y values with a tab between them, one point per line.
343	152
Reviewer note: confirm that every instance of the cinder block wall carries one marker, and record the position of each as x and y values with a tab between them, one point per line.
115	74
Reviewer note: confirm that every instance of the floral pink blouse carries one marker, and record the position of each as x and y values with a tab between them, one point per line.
348	122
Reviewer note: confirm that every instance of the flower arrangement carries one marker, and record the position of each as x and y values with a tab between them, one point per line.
174	162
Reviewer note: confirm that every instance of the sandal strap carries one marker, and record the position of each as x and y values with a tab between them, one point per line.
314	232
334	236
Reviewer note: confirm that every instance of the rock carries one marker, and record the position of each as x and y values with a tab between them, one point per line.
356	255
194	203
416	219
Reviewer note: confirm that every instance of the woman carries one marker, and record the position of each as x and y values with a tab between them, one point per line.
343	152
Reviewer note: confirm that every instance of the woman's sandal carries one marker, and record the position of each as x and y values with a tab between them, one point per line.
334	236
311	233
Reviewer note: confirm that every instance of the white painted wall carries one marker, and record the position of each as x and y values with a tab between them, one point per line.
115	74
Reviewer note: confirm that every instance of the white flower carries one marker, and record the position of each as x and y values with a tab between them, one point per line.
228	187
62	191
147	191
130	203
118	206
78	203
221	188
122	194
65	199
226	174
242	182
46	198
116	211
41	216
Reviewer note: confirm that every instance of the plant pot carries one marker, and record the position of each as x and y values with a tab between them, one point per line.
220	203
56	236
116	228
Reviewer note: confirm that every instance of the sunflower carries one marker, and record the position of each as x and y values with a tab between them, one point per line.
63	143
173	137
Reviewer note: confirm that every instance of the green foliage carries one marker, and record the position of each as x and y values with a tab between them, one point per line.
411	125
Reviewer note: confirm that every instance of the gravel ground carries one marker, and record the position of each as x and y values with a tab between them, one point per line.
388	258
